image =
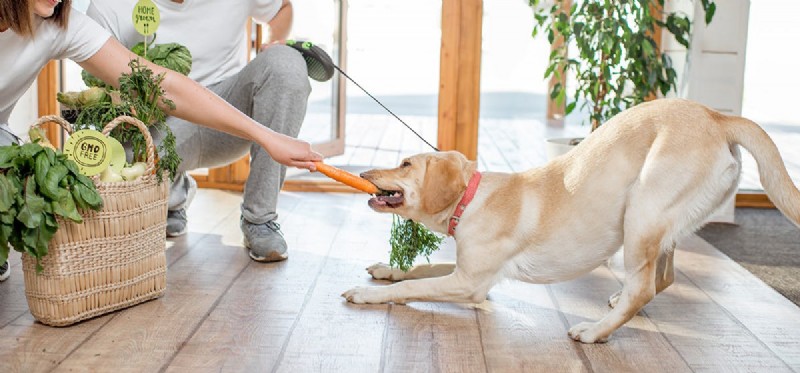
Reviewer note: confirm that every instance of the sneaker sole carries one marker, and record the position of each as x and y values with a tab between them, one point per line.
189	198
269	258
5	275
273	257
177	234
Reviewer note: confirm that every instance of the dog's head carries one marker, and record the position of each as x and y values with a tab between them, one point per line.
422	186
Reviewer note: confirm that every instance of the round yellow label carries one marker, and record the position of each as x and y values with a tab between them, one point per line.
146	17
90	149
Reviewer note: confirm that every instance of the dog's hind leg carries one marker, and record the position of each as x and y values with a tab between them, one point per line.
657	214
383	271
665	269
718	186
641	254
665	274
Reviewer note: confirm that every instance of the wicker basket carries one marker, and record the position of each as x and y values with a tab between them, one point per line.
114	259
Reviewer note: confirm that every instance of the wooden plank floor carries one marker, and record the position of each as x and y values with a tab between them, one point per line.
224	312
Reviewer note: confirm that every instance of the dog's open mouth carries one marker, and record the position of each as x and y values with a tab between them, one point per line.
387	198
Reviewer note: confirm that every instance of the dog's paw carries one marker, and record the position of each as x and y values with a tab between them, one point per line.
586	332
614	299
383	271
363	295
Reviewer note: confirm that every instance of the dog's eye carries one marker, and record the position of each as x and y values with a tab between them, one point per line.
406	164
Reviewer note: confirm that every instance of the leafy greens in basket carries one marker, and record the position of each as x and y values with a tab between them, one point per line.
38	184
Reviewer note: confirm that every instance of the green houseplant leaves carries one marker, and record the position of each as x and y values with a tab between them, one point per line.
617	63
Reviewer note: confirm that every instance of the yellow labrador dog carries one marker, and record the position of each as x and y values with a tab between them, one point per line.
646	178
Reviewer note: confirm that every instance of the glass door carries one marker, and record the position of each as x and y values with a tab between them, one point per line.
323	23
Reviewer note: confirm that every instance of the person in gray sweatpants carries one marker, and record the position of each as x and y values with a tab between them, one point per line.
272	89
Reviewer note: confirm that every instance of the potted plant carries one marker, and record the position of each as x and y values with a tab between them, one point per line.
617	61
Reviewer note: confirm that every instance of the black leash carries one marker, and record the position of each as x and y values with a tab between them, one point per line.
320	68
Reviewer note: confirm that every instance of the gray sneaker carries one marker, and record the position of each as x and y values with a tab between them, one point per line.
264	241
5	271
177	222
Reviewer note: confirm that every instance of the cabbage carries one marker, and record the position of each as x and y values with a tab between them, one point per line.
173	56
91	81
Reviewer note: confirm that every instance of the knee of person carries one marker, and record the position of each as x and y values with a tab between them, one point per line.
285	64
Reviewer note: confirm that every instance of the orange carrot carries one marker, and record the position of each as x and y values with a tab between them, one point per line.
346	178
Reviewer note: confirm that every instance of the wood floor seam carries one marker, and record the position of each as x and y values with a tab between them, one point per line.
480	337
737	321
578	346
306	300
203	319
87	339
655	325
15	318
384	339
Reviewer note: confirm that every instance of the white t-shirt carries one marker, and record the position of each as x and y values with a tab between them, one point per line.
22	58
212	30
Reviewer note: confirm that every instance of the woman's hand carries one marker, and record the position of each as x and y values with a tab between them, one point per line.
290	151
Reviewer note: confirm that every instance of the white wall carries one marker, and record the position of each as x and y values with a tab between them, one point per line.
25	113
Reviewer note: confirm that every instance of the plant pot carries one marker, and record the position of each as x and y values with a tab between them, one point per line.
561	145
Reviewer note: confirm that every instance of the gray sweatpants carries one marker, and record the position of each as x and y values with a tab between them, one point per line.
272	89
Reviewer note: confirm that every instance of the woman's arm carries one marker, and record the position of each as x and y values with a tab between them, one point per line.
198	105
281	25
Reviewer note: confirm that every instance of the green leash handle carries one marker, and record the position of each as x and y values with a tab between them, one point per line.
320	66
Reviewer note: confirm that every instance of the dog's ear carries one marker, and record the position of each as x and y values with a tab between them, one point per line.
443	183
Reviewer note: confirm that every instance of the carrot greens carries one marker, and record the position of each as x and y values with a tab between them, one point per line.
409	239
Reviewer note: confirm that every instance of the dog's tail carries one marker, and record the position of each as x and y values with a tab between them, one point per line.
774	177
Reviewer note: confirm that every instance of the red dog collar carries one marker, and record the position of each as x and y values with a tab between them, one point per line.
465	200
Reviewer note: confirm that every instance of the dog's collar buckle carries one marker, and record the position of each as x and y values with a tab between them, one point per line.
472	186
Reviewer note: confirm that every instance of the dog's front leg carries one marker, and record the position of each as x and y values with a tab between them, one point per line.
383	271
455	287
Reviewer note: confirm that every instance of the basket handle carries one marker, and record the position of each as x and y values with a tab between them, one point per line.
55	119
151	158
